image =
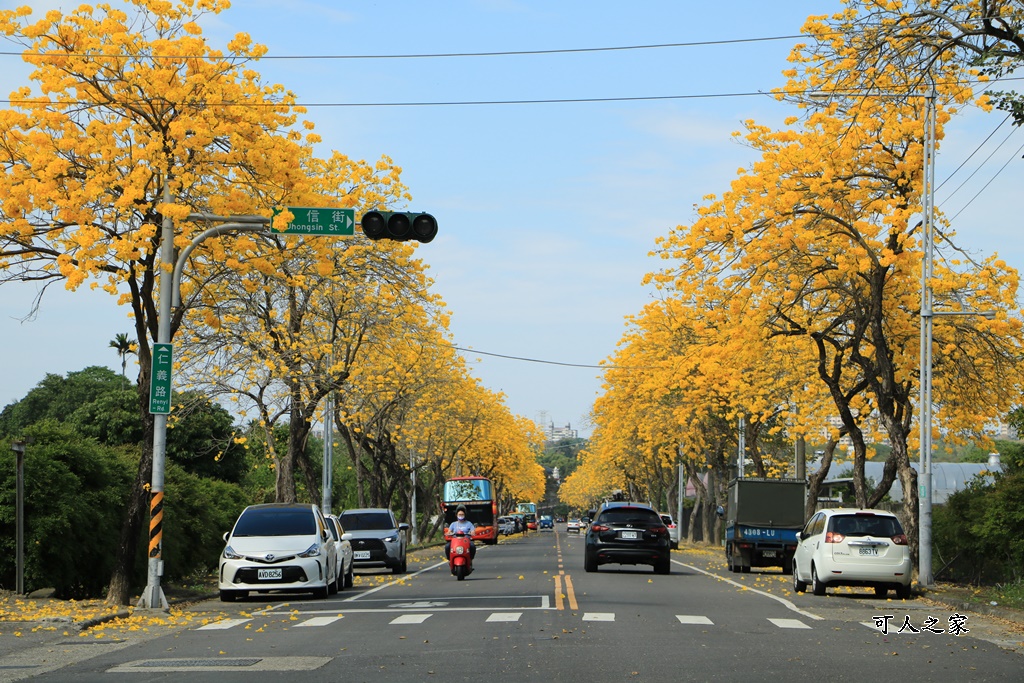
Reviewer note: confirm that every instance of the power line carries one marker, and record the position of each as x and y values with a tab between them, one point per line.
985	187
457	103
445	55
536	360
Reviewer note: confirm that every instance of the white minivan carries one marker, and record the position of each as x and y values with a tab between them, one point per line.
849	547
281	547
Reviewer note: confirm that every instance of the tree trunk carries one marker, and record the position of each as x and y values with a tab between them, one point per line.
119	591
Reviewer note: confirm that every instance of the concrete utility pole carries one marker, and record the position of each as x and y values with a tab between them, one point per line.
19	555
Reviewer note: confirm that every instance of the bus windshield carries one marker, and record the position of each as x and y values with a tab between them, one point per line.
467	490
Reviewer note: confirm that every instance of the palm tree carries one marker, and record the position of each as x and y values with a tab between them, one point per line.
123	347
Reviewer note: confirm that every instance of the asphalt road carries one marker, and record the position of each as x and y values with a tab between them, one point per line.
530	613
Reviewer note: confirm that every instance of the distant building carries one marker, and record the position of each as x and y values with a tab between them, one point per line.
553	433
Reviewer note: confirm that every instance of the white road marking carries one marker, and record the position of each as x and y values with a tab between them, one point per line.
688	619
411	619
505	616
599	616
182	664
789	605
320	621
223	624
789	623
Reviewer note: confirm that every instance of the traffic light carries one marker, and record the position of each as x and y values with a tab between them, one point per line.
399	226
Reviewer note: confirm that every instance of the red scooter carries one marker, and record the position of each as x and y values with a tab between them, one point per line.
460	560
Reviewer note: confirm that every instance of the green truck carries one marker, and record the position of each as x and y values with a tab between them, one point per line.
762	521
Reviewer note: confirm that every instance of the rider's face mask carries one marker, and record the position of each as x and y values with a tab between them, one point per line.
462	516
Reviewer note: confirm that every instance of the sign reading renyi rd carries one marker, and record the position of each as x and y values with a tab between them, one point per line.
320	221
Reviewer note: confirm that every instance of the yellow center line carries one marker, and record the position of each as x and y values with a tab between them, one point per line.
558	593
572	593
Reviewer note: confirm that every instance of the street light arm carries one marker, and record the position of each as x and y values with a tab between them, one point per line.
236	226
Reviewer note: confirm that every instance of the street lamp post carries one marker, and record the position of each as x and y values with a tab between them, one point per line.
924	475
19	554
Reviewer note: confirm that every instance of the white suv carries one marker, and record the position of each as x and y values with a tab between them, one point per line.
848	547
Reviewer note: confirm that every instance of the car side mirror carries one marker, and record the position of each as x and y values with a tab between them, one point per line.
403	526
720	511
346	536
801	534
227	535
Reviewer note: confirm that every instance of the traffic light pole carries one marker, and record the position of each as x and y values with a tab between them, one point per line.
170	283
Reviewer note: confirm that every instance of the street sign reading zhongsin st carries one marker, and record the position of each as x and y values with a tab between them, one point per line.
320	221
160	379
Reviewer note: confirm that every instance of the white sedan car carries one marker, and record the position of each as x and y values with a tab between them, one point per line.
848	547
278	546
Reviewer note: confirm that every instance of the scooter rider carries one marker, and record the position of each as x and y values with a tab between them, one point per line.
463	526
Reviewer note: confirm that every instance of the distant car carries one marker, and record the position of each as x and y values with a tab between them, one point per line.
344	551
278	546
546	522
628	533
378	539
573	526
849	547
506	526
673	530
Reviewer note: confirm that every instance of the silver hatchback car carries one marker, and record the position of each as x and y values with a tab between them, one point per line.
849	547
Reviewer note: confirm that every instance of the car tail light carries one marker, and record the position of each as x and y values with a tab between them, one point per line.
660	530
598	527
833	537
899	539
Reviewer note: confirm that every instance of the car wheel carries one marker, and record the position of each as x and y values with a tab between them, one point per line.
349	578
589	562
332	587
787	566
322	592
881	591
663	566
903	592
228	596
816	586
401	567
798	585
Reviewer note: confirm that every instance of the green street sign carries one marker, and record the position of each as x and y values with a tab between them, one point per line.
320	221
160	379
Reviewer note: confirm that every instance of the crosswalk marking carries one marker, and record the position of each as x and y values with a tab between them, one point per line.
689	619
223	624
319	621
505	616
411	619
789	623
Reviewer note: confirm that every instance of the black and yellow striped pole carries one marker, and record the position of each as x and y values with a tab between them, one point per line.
160	407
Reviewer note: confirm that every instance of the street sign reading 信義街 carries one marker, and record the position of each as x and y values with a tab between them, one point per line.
320	221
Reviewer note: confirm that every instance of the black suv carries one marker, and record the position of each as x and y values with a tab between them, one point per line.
628	533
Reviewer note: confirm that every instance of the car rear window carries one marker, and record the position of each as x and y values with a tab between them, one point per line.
629	516
366	521
275	522
865	525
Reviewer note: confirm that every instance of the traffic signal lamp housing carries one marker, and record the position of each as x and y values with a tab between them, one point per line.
399	226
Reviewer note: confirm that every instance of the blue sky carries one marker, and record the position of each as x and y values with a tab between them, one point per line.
546	212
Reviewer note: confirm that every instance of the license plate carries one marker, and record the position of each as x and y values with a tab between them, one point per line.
629	534
268	574
361	555
868	551
768	553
